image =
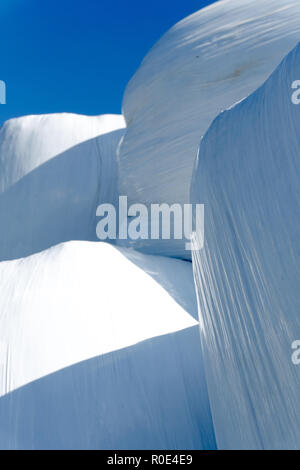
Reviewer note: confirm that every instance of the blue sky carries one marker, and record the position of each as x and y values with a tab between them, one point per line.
77	56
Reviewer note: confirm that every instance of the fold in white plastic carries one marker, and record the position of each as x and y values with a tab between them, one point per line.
247	274
203	65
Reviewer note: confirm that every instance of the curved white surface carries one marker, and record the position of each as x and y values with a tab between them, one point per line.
247	274
204	64
54	171
78	300
28	142
91	356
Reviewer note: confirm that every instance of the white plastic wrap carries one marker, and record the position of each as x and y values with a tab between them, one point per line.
247	274
70	311
54	171
203	65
